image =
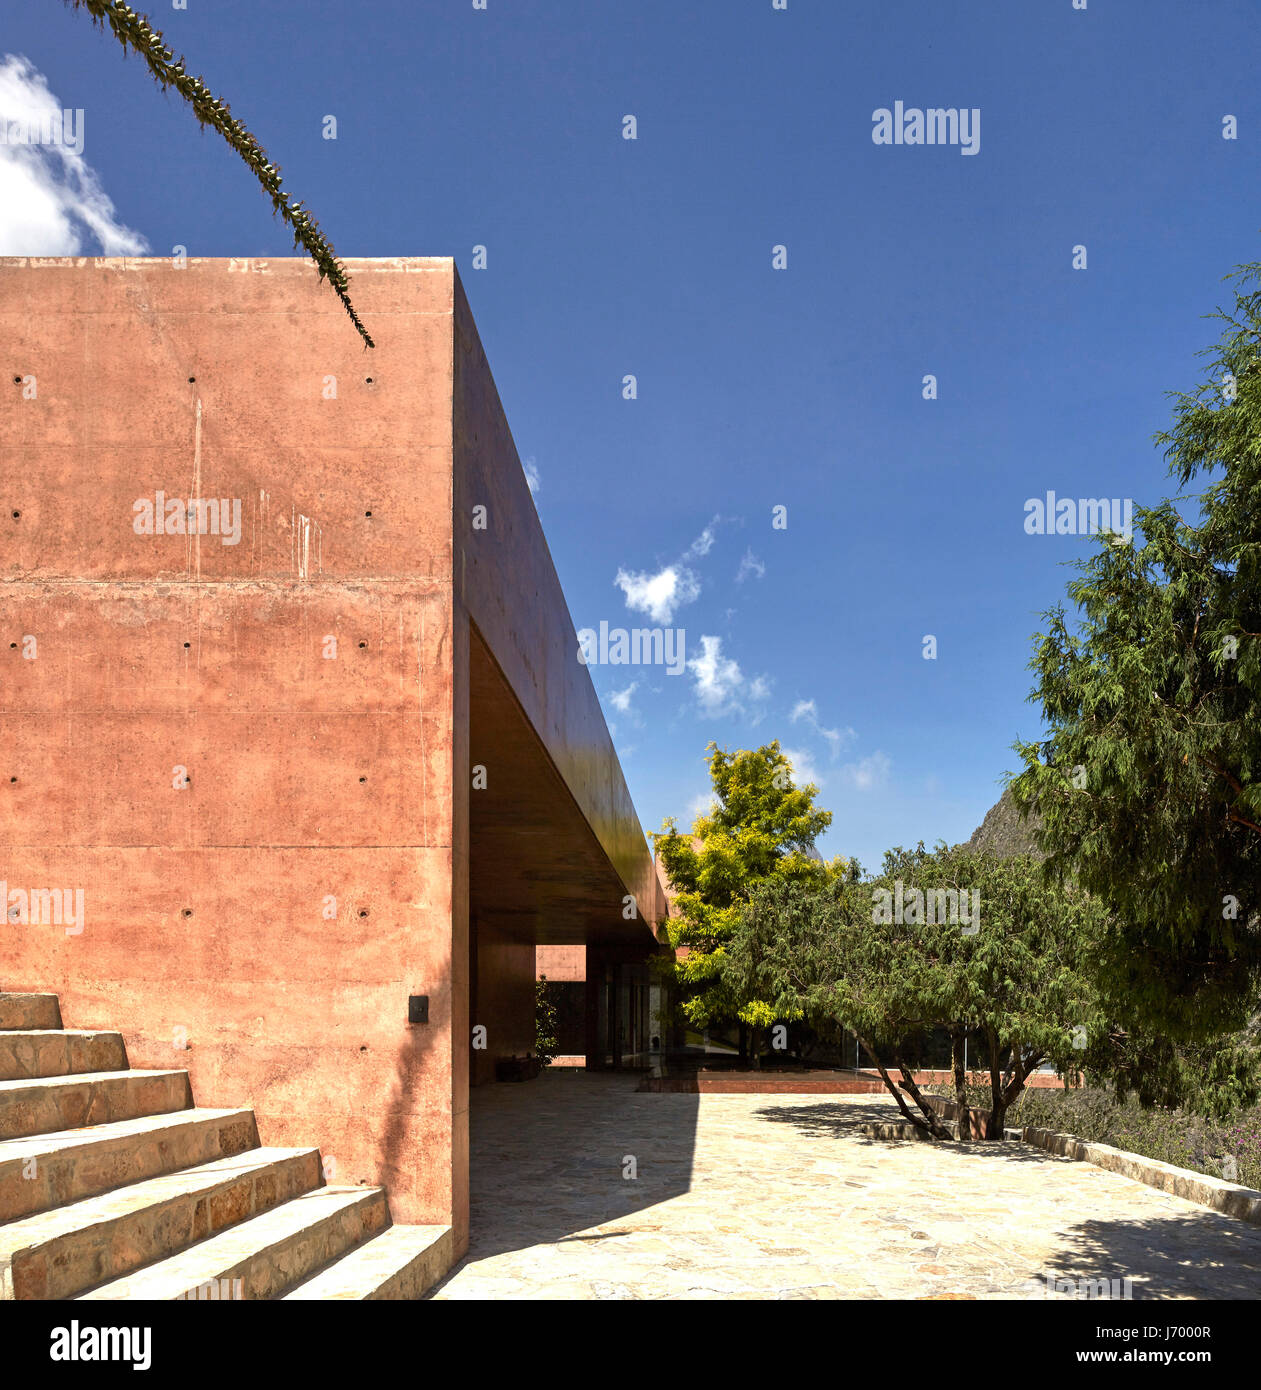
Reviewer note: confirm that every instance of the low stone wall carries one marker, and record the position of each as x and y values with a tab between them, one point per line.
1227	1197
766	1083
979	1121
901	1131
1038	1080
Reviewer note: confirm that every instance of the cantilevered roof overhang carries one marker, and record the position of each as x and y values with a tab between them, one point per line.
556	846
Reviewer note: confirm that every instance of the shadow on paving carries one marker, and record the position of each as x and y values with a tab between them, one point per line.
548	1157
1190	1254
846	1121
1182	1256
548	1170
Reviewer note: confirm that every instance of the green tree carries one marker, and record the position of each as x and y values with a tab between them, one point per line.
134	32
985	949
546	1028
1149	780
762	827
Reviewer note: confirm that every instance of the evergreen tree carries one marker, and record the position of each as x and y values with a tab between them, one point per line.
1149	781
895	957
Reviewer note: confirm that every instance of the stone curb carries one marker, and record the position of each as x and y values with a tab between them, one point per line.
1229	1198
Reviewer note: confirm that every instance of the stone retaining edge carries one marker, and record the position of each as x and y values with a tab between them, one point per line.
1229	1198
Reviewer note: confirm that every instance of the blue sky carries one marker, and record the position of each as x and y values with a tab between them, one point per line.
757	388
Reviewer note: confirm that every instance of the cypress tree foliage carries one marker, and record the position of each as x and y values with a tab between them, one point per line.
1149	782
134	32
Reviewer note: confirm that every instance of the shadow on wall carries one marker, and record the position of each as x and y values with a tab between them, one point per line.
402	1165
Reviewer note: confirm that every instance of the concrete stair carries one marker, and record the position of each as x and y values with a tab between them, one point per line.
113	1185
402	1262
58	1052
29	1011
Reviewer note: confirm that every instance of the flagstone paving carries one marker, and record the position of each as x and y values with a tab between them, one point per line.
583	1188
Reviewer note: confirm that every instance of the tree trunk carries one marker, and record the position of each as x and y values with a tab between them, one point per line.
744	1045
888	1081
755	1048
961	1085
1021	1070
935	1126
997	1106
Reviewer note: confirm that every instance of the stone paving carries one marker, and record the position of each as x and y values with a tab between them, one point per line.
743	1197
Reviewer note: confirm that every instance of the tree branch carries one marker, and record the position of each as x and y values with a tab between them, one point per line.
134	31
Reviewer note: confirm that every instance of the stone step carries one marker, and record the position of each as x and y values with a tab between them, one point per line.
49	1170
29	1011
60	1253
403	1262
93	1098
264	1256
33	1052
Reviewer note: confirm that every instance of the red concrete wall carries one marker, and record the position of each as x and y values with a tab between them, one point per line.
560	963
311	779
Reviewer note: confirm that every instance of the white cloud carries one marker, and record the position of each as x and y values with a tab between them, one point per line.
721	687
704	543
803	767
718	679
660	594
750	564
621	699
867	773
533	481
51	200
806	710
701	805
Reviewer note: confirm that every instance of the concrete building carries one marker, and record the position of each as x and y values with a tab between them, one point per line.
289	692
